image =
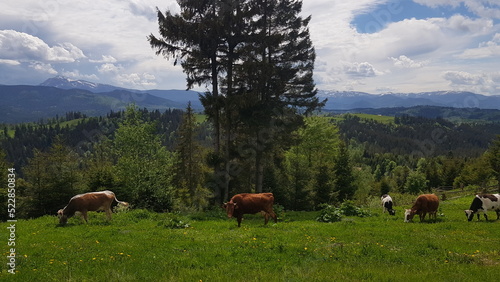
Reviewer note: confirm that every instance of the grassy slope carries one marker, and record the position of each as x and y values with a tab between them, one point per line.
137	246
378	118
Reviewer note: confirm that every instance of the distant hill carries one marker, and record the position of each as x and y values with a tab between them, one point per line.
345	100
32	103
451	114
180	96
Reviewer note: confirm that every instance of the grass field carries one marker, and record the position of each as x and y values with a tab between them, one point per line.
142	246
377	118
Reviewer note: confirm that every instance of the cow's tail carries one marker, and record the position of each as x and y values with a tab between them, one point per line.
121	204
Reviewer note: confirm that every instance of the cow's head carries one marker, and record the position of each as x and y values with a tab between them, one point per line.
409	215
62	218
392	212
230	207
469	214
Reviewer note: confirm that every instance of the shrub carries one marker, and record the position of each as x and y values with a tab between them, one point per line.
329	213
279	210
348	208
174	222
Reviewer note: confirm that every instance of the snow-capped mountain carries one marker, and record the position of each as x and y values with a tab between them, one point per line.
67	83
345	100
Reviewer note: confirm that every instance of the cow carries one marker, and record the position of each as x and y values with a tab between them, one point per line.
247	203
483	203
93	201
387	204
426	203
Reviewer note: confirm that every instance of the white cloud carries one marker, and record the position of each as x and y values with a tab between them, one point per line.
109	68
42	67
405	62
77	75
104	59
364	69
136	80
484	50
22	46
10	62
481	83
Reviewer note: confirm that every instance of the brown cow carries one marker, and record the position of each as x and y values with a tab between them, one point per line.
246	203
426	203
93	201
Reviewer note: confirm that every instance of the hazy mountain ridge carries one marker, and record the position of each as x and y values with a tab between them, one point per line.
22	103
59	95
339	100
179	96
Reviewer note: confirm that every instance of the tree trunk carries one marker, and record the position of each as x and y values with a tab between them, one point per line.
259	172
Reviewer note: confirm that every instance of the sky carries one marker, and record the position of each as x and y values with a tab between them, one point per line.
374	46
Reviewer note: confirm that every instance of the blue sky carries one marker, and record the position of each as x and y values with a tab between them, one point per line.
374	46
377	18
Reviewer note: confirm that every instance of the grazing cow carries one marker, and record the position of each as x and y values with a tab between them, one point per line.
426	203
93	201
387	204
245	203
483	203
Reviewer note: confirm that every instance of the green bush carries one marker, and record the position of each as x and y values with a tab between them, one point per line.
329	213
174	221
348	208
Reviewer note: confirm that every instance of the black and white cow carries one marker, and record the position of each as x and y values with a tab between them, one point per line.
387	204
483	203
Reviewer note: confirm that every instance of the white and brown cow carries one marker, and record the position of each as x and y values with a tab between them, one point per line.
426	203
93	201
387	204
483	203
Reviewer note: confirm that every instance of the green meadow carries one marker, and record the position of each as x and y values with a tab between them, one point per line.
142	246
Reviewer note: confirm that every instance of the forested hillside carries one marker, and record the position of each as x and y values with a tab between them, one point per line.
419	137
163	160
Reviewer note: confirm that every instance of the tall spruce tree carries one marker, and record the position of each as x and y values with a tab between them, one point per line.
189	167
344	177
193	38
259	58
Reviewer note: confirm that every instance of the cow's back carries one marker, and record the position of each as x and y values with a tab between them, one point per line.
252	203
92	201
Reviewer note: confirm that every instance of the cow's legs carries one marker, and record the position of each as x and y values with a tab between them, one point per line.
422	216
485	216
266	218
275	217
84	215
272	215
108	214
239	218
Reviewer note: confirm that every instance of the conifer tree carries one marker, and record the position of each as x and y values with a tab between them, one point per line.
189	167
259	58
344	177
53	178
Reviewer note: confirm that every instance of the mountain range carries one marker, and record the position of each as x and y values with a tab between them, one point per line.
58	95
347	100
